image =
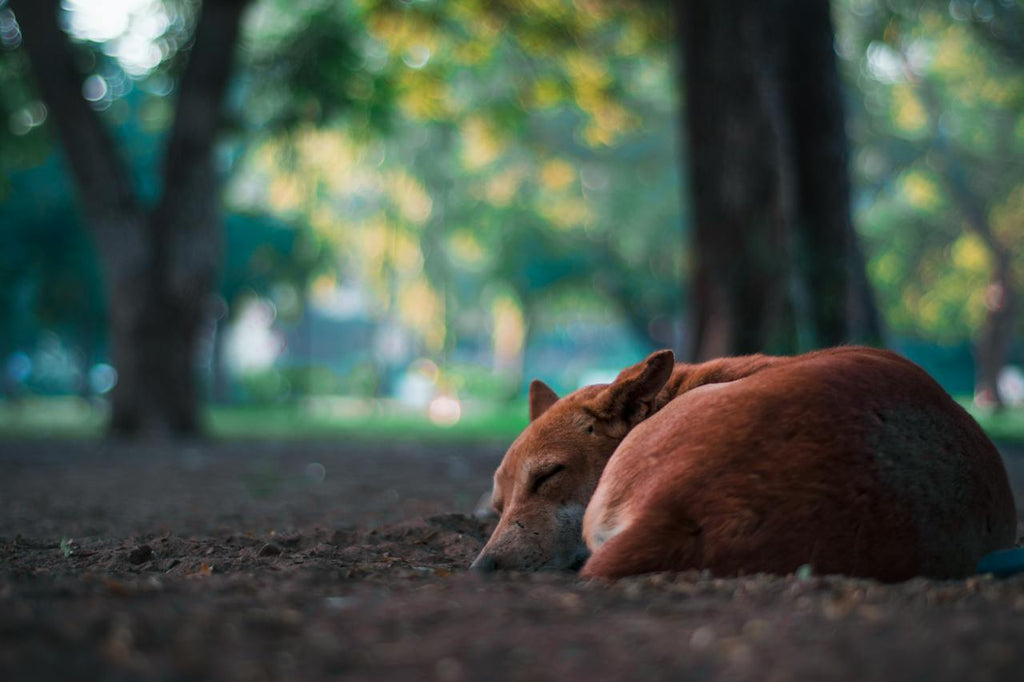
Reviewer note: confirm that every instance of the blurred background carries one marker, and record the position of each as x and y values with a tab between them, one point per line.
309	217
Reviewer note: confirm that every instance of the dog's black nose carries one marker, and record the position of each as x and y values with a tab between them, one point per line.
485	563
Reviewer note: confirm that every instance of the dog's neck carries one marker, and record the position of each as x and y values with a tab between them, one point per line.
686	376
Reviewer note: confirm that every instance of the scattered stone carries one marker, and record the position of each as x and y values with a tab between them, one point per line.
270	549
140	555
702	638
339	603
351	612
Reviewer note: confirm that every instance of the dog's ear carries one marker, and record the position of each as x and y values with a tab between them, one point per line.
541	398
630	398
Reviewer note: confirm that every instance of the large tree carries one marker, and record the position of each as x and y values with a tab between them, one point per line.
777	266
159	259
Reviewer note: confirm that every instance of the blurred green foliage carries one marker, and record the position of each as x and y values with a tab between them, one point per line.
507	170
481	174
939	90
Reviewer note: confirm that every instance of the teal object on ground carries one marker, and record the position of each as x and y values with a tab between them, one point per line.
1002	563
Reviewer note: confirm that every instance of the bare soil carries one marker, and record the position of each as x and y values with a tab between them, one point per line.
310	561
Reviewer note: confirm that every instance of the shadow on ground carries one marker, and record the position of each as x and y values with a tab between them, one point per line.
306	561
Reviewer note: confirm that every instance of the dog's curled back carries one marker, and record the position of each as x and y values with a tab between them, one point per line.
852	460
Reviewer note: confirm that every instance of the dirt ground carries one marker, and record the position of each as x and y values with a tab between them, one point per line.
310	561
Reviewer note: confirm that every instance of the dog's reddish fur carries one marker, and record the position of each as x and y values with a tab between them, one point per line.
852	460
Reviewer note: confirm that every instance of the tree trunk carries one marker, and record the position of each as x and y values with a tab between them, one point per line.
154	350
740	242
993	344
774	243
842	304
159	264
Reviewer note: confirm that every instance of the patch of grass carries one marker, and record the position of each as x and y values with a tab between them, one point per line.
373	423
1006	426
76	418
62	417
58	417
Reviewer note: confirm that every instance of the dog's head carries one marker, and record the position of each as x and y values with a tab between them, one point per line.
549	474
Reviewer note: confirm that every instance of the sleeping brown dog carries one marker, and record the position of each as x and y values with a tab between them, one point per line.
852	460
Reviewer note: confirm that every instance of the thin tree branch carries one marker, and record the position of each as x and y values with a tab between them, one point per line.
101	177
186	220
198	113
970	206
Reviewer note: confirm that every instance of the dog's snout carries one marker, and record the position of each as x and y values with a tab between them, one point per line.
485	563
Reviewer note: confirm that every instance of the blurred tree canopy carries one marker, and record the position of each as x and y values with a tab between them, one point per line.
939	124
507	166
464	173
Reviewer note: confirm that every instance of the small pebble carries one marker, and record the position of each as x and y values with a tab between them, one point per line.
339	603
270	549
140	555
702	637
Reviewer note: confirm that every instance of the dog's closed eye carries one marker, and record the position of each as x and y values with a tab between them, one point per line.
544	476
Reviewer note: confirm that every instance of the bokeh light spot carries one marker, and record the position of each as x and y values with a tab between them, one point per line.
444	411
102	378
316	472
94	88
